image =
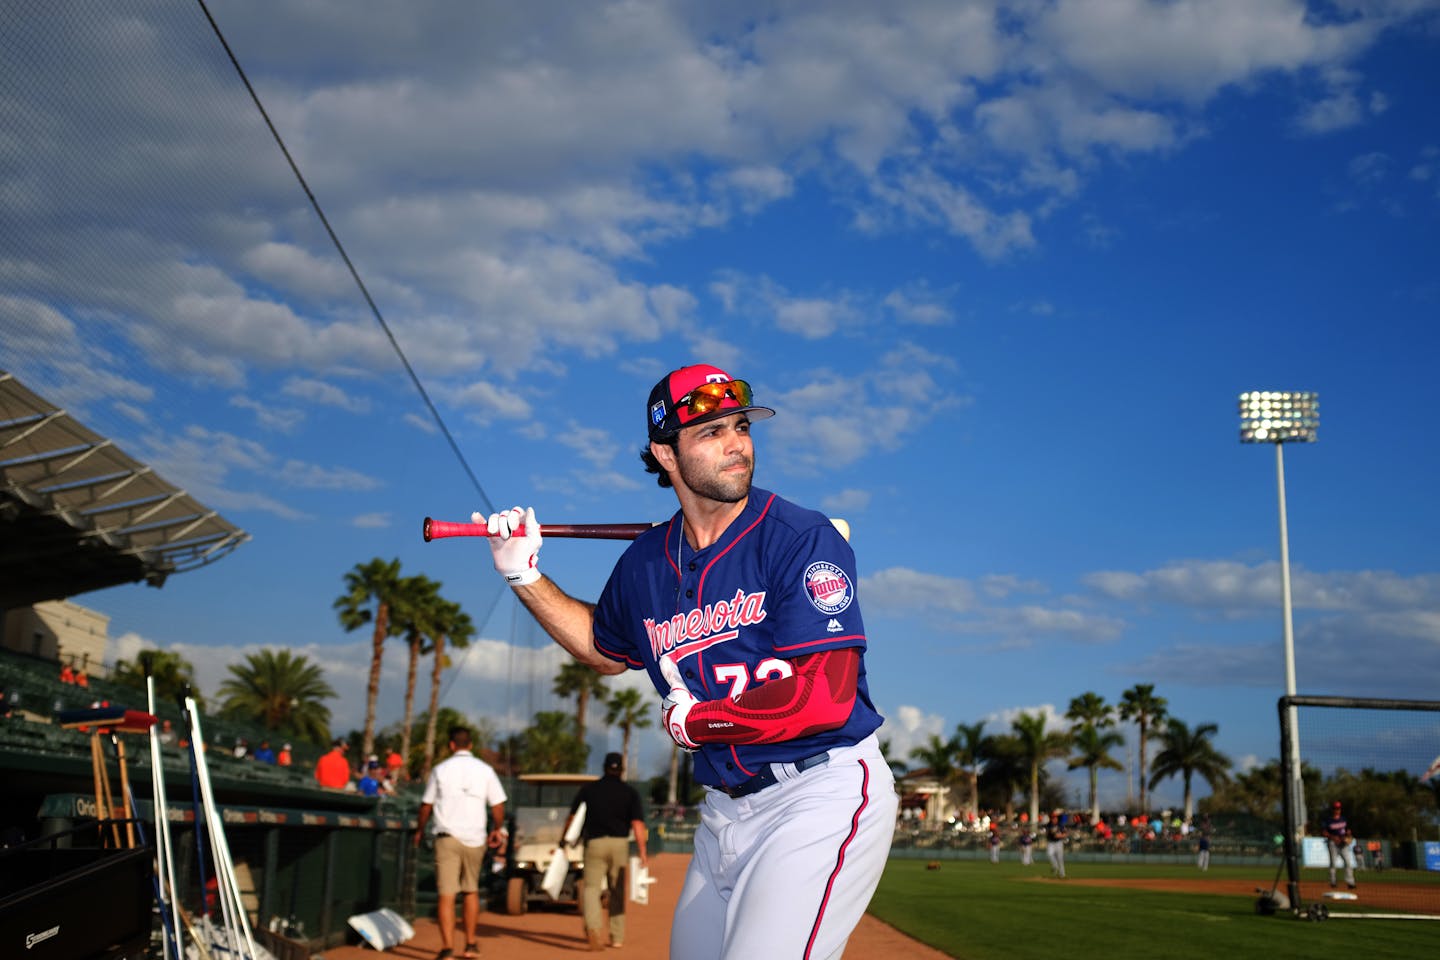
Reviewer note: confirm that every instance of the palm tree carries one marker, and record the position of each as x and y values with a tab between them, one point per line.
1093	747
579	681
938	756
549	746
1006	771
454	627
969	743
1090	710
1188	752
1140	704
174	675
414	610
284	691
628	710
376	581
1037	745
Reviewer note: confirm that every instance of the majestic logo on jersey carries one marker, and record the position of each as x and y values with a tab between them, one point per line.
828	588
713	623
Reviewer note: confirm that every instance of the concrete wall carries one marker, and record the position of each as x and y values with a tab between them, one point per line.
59	630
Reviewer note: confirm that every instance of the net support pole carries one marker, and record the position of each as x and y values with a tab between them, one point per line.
1289	801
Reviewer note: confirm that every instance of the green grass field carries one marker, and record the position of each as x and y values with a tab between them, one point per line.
975	910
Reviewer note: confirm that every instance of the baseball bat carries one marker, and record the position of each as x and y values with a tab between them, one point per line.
440	529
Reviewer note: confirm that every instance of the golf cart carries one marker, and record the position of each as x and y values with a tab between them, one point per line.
541	805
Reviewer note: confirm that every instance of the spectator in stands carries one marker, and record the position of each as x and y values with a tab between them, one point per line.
82	679
7	703
284	758
394	766
67	673
265	753
370	783
333	770
242	749
167	733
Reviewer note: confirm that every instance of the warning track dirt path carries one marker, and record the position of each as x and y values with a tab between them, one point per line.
556	934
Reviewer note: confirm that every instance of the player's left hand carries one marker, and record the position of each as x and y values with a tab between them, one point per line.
675	708
674	711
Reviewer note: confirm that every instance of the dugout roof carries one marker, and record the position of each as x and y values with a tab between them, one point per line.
78	514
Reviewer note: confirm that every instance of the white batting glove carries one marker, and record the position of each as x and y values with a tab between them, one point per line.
516	556
675	708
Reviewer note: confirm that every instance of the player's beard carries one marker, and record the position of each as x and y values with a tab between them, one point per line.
715	484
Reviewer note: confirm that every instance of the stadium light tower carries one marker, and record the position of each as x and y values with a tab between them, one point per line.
1281	417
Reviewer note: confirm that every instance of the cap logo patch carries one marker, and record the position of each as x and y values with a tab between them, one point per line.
657	413
828	587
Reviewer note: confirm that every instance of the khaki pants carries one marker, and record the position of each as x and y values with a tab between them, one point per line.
605	861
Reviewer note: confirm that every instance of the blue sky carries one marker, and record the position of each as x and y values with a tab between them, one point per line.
1002	268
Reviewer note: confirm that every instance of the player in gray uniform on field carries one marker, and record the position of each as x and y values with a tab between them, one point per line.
1055	835
742	610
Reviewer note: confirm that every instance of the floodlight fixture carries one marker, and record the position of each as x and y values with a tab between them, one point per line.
1279	416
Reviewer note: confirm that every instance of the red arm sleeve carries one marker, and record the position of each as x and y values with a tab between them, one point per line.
817	697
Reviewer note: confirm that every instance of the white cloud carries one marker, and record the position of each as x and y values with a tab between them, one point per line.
918	306
846	501
1189	48
325	394
595	446
906	390
954	605
1243	589
280	419
487	402
908	727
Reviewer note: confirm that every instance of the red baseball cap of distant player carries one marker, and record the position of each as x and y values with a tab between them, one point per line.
694	395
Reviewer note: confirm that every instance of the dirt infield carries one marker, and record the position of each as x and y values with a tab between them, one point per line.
1370	896
557	934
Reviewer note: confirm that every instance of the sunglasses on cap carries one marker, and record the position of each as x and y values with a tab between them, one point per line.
709	397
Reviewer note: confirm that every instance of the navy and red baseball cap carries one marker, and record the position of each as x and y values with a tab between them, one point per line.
694	395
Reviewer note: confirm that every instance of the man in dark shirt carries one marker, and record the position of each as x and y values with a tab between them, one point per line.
612	811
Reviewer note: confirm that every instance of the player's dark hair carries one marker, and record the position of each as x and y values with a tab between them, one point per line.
460	736
652	465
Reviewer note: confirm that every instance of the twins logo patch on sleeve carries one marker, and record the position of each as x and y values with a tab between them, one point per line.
828	587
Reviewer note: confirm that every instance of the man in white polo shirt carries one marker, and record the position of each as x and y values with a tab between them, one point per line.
461	791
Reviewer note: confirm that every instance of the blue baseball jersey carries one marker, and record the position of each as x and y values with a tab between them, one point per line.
1337	829
778	584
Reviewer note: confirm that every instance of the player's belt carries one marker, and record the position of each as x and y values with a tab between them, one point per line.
767	777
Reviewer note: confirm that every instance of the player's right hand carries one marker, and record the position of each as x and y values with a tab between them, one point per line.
516	556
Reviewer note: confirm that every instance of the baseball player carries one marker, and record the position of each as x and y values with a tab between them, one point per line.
994	842
1202	859
1027	846
742	610
1337	831
1055	836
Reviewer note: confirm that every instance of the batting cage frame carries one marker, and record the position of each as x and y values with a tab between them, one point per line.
1293	798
